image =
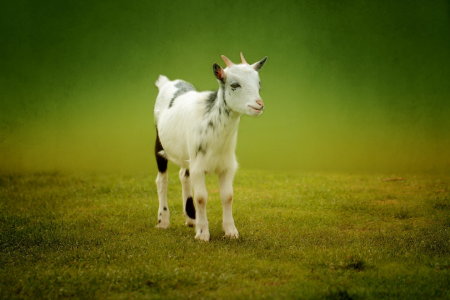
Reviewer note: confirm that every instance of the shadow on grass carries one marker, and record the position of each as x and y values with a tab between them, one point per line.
338	294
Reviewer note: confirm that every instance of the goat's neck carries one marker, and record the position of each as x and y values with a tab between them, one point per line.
225	121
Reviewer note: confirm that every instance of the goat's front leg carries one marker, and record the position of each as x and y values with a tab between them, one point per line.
200	198
226	195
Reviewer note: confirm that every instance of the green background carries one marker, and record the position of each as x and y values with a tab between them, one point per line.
349	85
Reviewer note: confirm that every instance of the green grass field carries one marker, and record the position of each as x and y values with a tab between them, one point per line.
303	236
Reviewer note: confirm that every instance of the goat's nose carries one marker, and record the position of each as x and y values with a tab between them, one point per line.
260	102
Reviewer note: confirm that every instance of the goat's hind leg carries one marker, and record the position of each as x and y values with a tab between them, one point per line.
188	202
161	185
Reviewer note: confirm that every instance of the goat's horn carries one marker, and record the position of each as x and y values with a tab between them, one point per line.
243	61
227	61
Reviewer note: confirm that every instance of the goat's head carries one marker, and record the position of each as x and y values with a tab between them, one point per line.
241	85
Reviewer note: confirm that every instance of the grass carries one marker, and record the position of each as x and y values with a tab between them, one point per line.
303	236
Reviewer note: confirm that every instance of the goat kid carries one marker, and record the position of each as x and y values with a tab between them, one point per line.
198	132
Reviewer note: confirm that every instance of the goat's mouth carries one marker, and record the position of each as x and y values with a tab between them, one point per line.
258	110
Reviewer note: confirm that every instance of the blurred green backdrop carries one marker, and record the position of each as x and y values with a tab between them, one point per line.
349	85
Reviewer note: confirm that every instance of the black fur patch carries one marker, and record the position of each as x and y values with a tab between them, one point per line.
226	109
182	87
201	149
223	94
165	208
186	174
190	208
210	101
160	160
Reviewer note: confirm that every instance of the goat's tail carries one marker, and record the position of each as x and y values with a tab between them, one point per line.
162	80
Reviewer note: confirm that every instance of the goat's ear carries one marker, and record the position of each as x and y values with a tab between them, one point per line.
258	65
219	72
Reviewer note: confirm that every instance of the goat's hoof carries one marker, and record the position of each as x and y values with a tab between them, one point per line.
230	231
162	224
202	236
232	234
190	222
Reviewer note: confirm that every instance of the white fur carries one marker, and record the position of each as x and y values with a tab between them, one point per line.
202	138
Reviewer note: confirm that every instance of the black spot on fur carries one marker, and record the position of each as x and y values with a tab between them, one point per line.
226	109
210	101
165	208
160	160
201	150
190	208
211	124
186	174
182	88
159	221
223	94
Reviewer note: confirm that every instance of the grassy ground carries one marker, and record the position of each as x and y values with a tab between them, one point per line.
303	235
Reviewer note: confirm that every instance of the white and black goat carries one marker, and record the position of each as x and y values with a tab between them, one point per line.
198	132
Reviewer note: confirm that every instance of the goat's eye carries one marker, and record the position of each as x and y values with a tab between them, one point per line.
235	85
